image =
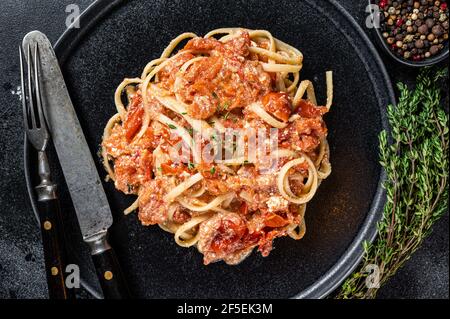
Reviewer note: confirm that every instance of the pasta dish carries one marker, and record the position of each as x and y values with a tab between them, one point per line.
221	141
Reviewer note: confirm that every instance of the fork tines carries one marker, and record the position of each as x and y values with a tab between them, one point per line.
34	120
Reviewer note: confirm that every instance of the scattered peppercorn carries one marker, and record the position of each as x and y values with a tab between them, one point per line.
437	30
414	29
423	29
419	44
434	49
429	22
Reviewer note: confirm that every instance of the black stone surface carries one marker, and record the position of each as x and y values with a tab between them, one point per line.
21	275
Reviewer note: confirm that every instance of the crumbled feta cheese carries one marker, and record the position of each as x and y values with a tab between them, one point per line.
276	203
185	174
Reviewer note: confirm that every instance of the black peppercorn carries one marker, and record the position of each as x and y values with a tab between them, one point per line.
445	25
419	44
437	30
434	49
423	29
429	22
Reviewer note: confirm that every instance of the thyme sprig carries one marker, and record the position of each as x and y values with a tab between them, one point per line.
416	163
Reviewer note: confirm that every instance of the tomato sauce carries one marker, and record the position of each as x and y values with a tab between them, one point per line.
222	84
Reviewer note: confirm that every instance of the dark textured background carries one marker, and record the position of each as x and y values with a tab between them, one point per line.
425	275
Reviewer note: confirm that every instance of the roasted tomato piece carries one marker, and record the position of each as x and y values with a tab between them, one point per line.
275	221
278	104
222	235
133	122
309	110
228	232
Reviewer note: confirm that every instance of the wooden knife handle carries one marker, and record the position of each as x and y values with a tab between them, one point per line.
53	241
110	275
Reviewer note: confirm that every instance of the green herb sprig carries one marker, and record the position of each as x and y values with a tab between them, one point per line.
416	163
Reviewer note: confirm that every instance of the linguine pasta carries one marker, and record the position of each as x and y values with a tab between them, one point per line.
170	120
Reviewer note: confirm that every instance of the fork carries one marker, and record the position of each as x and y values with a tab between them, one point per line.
49	209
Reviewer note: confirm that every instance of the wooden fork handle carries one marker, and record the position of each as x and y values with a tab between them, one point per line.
54	249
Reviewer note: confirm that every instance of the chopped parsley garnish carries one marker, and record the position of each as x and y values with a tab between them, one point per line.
183	113
212	170
191	165
173	127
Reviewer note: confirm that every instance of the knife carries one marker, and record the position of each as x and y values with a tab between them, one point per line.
88	196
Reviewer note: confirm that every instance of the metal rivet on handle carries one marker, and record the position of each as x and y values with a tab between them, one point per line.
47	225
108	275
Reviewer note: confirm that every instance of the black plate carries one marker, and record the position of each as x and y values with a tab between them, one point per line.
117	39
